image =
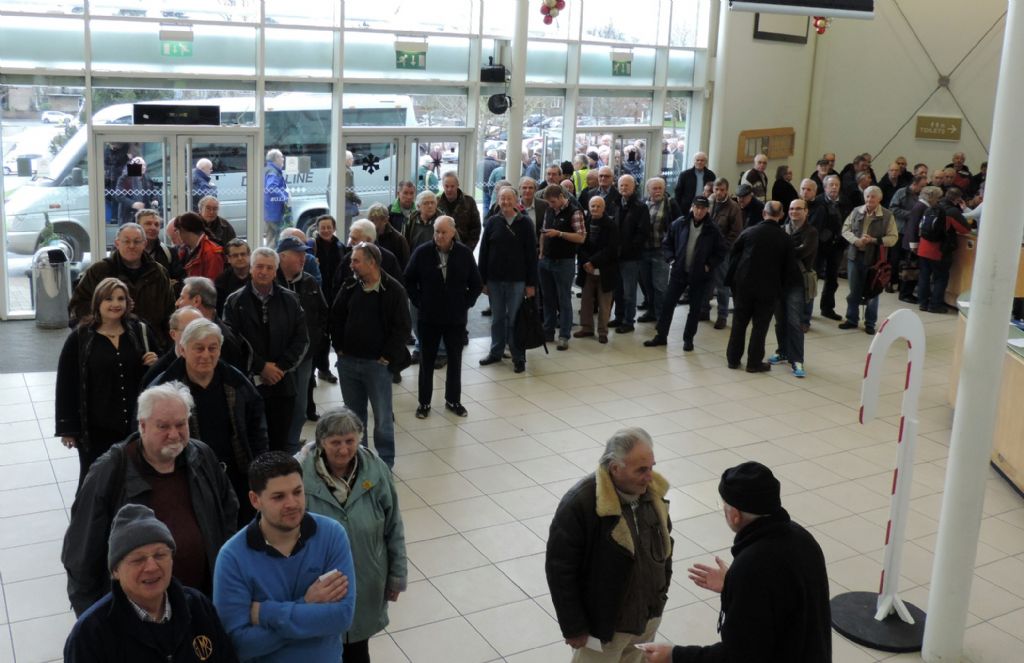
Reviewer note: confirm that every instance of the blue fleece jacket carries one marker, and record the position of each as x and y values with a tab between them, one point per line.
290	630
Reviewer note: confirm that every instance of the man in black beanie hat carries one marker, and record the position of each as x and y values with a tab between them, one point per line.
775	600
147	615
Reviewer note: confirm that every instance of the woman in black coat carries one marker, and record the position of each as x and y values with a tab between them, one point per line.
783	189
217	389
99	374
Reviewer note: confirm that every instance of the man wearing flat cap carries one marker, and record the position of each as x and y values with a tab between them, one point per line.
609	554
147	615
775	600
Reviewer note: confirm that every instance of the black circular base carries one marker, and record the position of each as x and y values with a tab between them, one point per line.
853	616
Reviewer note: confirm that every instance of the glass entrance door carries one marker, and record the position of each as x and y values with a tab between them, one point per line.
170	172
628	152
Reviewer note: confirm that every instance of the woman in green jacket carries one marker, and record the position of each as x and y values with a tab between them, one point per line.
351	484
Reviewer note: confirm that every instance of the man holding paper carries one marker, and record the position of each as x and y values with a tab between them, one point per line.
609	554
284	586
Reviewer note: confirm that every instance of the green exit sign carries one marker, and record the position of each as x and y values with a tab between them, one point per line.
624	68
176	49
410	60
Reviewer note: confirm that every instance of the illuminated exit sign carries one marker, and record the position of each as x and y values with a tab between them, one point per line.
176	49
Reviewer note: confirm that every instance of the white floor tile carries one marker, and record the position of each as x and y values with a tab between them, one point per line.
516	627
466	589
437	643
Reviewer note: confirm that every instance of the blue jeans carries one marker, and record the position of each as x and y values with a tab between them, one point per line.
788	314
718	289
506	297
556	276
654	277
629	273
856	275
931	283
365	380
302	373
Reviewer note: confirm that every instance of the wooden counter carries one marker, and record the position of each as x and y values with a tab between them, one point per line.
962	270
1008	442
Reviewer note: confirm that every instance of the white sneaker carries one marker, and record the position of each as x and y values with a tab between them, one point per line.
563	344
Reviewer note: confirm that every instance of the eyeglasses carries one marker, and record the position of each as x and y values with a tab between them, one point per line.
161	557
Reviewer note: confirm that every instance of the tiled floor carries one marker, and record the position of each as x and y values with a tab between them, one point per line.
477	494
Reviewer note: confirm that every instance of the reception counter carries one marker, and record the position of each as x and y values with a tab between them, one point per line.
962	270
1008	443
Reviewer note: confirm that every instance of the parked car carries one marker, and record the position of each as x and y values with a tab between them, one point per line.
56	117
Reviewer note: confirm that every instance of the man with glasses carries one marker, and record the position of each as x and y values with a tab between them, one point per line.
147	280
789	311
216	227
148	613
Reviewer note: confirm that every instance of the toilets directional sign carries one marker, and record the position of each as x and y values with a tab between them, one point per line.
176	49
931	127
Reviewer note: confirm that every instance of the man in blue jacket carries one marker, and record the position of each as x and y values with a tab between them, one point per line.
275	196
695	250
284	587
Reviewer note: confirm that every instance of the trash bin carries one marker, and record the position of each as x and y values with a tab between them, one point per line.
51	286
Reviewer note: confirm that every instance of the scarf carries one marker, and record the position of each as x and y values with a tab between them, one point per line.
340	488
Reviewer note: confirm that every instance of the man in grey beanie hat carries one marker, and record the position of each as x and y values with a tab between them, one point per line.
147	615
775	600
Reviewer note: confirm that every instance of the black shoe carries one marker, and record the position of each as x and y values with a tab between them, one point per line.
939	309
422	412
616	322
440	362
687	346
647	317
327	376
549	338
518	366
831	315
486	312
396	378
846	324
869	330
720	323
910	299
759	368
624	329
488	360
705	316
456	409
415	356
734	365
312	416
656	341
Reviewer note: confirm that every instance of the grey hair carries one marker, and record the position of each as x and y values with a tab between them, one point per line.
264	252
931	194
146	211
378	211
829	177
181	313
204	288
423	195
872	190
339	421
368	230
446	220
451	175
174	390
199	329
621	443
370	251
272	155
130	226
204	200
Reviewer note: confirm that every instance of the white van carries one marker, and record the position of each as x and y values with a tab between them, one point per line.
57	205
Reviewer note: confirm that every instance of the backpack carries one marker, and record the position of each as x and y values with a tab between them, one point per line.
932	226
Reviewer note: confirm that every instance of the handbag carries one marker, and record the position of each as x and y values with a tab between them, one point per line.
810	285
529	329
879	275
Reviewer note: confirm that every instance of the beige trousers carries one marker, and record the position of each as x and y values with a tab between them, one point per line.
620	649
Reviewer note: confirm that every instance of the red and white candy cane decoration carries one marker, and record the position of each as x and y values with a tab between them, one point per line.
906	325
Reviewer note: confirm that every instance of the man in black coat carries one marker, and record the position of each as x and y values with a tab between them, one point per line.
761	266
634	221
692	180
271	320
147	615
695	249
369	326
775	596
443	282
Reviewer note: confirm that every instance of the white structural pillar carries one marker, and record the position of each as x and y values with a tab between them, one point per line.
517	90
718	152
984	349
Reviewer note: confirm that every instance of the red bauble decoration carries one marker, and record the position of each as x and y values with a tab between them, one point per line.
544	9
547	18
560	4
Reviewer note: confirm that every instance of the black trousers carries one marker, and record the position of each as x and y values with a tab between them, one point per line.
356	652
749	309
430	340
278	410
830	257
677	285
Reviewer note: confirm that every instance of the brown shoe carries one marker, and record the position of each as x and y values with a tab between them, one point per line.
720	323
583	333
